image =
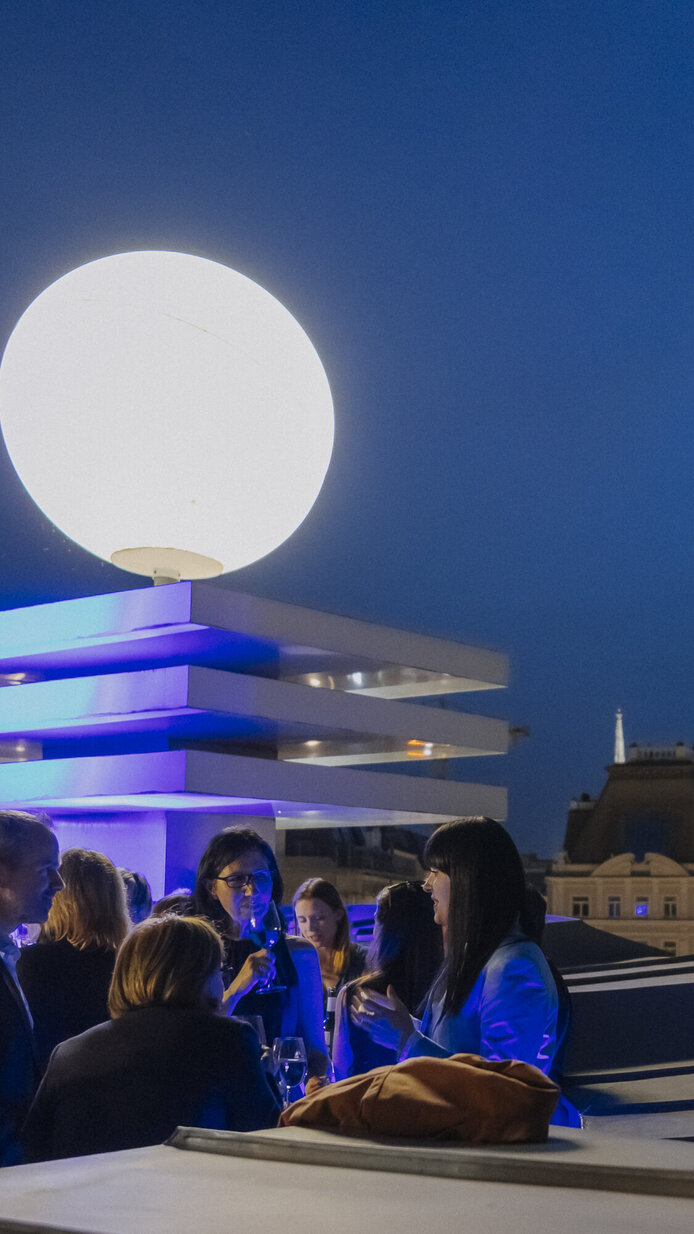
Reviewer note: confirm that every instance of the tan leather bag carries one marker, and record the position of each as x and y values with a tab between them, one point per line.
464	1097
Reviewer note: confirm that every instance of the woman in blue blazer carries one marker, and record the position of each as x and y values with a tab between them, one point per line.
495	995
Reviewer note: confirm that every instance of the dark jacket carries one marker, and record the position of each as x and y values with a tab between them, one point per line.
19	1073
132	1081
66	988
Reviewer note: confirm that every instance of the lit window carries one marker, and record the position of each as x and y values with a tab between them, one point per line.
641	907
669	907
614	906
580	907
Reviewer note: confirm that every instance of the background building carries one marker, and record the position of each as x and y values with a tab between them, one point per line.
628	856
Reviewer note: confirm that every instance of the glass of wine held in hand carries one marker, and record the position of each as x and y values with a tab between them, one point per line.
266	930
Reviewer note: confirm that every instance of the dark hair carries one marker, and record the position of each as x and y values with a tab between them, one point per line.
225	847
487	896
327	893
176	902
19	832
407	947
533	915
138	892
165	961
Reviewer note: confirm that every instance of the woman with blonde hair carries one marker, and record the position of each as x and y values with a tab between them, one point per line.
165	1059
65	976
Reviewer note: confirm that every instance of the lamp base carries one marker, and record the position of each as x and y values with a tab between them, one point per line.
166	565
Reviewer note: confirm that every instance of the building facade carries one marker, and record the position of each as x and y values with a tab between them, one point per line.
628	860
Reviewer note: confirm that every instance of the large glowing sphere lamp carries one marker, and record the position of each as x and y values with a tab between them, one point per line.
167	413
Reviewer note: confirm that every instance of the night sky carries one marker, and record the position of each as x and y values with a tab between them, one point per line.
482	214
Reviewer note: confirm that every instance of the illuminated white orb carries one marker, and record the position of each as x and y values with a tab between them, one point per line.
167	410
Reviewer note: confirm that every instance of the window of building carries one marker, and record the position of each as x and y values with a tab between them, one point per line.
580	907
641	906
670	907
614	906
670	946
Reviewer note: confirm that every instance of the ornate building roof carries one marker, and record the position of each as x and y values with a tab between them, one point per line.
646	806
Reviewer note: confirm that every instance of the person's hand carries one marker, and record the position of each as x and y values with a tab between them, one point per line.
258	968
314	1082
383	1016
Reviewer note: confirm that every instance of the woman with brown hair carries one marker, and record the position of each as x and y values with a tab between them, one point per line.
166	1058
322	920
66	974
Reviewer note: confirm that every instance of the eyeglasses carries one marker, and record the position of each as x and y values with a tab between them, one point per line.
260	879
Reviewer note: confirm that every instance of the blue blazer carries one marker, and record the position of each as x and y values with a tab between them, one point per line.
511	1011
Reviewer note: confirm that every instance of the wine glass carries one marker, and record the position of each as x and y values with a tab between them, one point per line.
289	1054
266	931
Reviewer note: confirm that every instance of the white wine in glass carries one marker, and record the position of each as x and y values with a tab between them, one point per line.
290	1061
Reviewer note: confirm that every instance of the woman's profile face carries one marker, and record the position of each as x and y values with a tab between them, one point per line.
438	885
248	891
318	922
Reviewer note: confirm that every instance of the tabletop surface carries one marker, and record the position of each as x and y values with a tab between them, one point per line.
163	1190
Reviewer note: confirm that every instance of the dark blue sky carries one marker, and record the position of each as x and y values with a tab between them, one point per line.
481	212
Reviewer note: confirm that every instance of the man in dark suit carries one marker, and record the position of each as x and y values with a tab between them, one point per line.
29	879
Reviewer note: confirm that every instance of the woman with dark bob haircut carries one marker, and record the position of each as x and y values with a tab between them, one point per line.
495	995
165	1059
237	879
405	954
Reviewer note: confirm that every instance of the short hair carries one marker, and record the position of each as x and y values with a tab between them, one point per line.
91	909
19	831
138	892
165	962
227	846
176	902
327	893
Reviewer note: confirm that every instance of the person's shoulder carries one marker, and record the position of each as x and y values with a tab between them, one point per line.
224	1039
304	956
302	952
356	959
298	945
42	955
98	1038
517	953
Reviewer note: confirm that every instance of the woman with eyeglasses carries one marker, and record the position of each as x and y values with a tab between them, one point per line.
236	881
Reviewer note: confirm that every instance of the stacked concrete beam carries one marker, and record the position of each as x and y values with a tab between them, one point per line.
144	720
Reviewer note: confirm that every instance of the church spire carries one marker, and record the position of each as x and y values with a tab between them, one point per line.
619	756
